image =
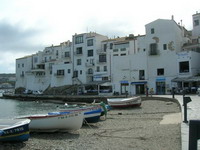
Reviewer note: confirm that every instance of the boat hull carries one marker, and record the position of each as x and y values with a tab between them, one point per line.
16	132
56	122
91	113
125	102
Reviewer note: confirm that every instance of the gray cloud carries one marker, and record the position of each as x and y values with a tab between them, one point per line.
14	38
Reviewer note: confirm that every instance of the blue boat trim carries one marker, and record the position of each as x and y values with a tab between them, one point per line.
92	119
19	133
93	112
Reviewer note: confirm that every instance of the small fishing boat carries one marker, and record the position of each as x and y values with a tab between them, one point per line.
92	113
14	130
125	102
55	122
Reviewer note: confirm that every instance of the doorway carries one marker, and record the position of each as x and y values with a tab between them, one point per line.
160	88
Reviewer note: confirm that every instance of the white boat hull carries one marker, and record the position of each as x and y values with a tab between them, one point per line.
125	102
58	122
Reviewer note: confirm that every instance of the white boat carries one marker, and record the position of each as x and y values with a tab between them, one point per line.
92	113
56	121
125	102
14	130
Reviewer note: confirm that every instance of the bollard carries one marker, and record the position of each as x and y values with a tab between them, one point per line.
173	92
185	101
194	134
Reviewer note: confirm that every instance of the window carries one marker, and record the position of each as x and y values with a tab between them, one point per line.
123	49
122	45
51	66
90	71
79	50
104	78
57	53
141	75
22	74
78	39
23	65
196	22
80	71
60	72
75	74
98	69
67	54
184	67
104	68
111	45
153	49
160	71
35	59
164	46
78	61
102	58
90	42
123	54
104	47
90	53
69	70
152	31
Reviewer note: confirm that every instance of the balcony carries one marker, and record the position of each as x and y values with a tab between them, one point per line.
37	70
88	64
103	61
100	51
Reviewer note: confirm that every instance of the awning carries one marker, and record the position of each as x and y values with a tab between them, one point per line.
137	83
124	81
159	79
187	79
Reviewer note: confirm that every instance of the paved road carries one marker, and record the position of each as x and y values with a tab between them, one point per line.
193	113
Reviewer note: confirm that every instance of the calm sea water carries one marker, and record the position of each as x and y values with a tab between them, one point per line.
10	108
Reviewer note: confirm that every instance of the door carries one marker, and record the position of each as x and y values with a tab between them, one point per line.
160	88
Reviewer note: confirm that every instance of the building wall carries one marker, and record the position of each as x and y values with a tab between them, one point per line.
196	25
168	33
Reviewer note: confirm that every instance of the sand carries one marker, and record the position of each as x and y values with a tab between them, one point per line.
153	126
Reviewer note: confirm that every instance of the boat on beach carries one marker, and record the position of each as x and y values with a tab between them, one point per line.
12	130
125	102
55	122
91	113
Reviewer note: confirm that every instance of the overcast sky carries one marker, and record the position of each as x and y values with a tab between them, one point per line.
27	26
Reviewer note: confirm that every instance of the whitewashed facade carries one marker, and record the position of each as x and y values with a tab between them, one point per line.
130	65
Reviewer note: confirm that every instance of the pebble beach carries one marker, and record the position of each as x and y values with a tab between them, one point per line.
155	125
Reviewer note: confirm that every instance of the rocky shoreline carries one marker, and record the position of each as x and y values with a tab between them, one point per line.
133	128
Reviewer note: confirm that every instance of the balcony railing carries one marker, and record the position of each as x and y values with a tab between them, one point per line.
100	51
101	61
89	64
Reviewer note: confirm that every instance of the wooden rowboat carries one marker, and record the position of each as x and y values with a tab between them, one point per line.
53	122
91	113
124	102
14	130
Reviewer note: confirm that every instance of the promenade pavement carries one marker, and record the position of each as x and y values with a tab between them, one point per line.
193	113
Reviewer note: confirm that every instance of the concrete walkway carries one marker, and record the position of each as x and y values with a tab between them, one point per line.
193	113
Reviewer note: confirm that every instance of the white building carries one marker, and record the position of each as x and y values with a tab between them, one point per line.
151	64
161	59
